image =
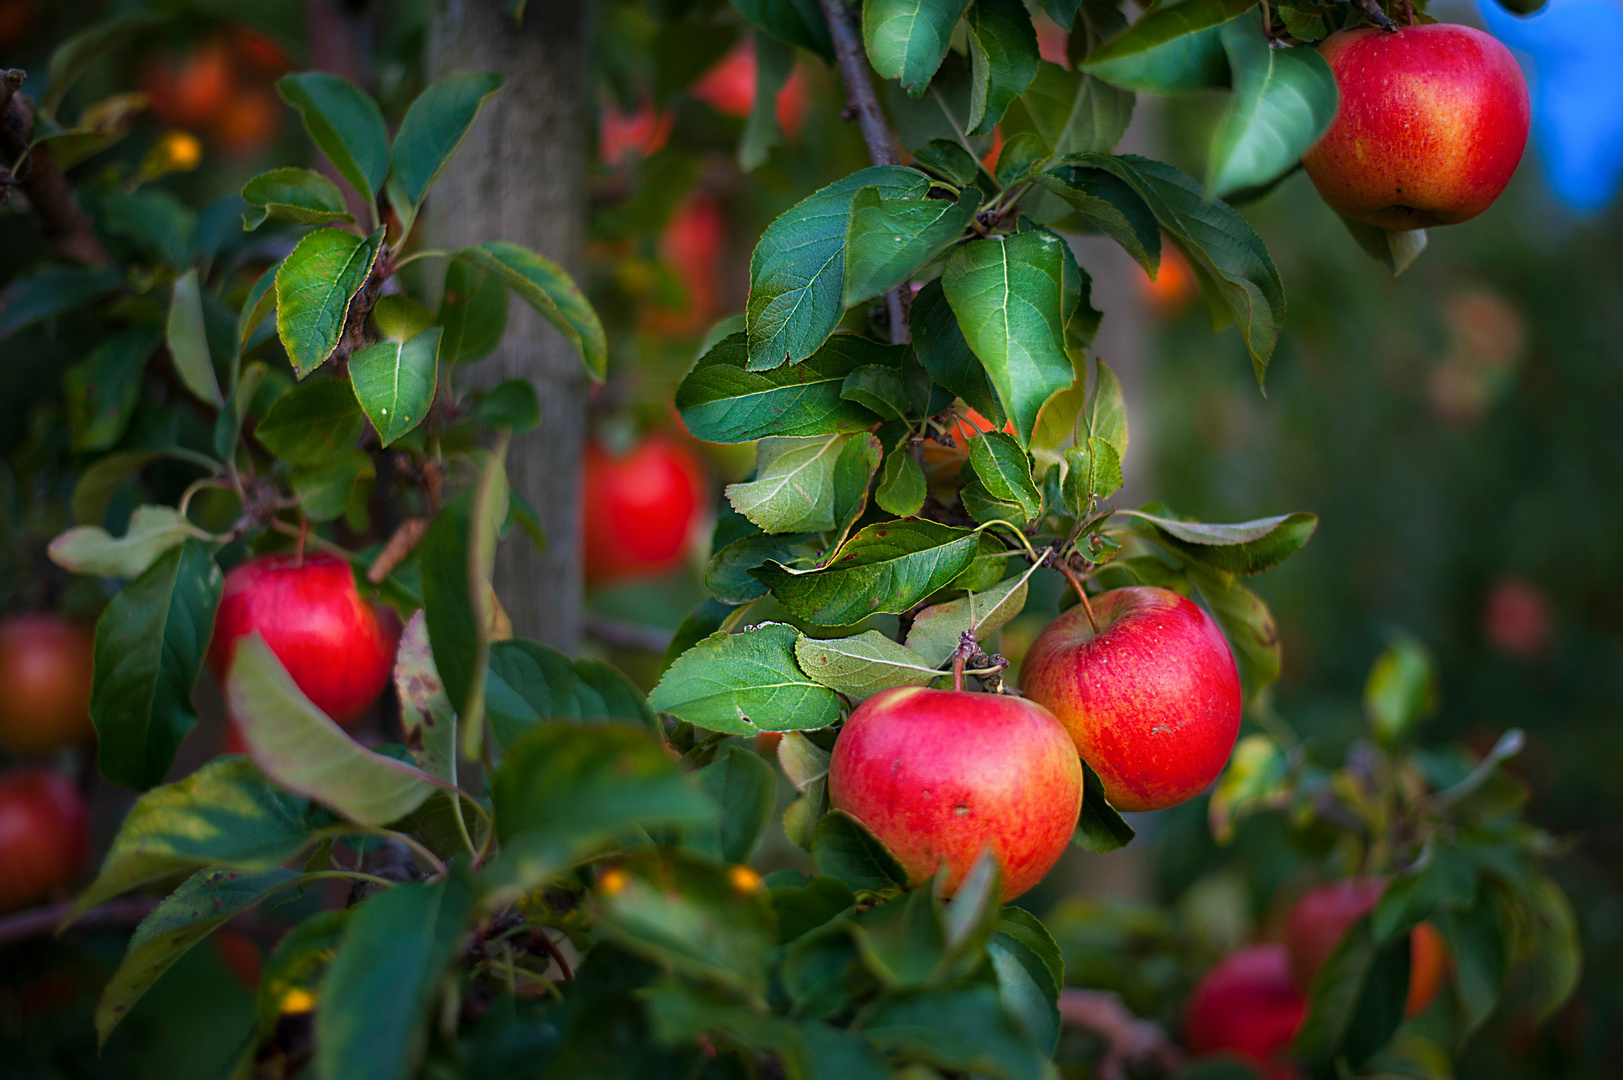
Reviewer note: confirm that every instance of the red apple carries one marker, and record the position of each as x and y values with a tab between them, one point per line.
46	665
1152	698
1517	617
1249	1006
194	92
1432	123
941	775
729	88
640	509
44	835
313	618
1320	919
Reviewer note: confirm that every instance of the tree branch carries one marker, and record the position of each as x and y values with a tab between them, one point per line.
862	103
1129	1041
44	920
62	221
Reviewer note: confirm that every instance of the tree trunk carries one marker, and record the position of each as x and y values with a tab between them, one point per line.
521	176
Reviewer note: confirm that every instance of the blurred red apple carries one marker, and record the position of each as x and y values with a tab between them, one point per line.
315	622
44	836
1152	698
1431	125
47	663
692	245
624	136
1320	920
1173	286
729	88
640	509
941	775
194	92
248	122
1517	617
1248	1005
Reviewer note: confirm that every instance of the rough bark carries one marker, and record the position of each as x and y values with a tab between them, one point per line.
521	176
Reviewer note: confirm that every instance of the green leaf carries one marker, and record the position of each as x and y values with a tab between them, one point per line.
887	567
1400	692
938	629
1444	877
1256	777
1249	547
51	290
394	382
458	558
1284	99
513	405
528	683
889	240
793	486
774	63
1073	112
944	353
1555	959
207	900
260	302
79	52
1246	622
1478	947
372	1020
902	487
433	127
314	287
311	424
301	196
545	286
100	392
1396	251
947	159
803	908
843	848
1092	470
960	1030
728	573
746	791
793	22
1008	295
427	719
150	644
228	425
797	271
1170	49
1106	415
1227	253
1003	60
722	400
1099	828
299	963
326	491
1107	203
188	345
1357	1000
301	748
1003	472
859	667
686	913
745	683
90	549
473	313
853	473
345	124
902	941
1030	972
908	39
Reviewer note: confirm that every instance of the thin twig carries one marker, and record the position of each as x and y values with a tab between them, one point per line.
44	920
627	635
401	542
1129	1041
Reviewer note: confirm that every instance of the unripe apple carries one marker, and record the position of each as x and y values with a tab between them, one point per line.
640	509
1249	1006
315	622
1152	697
941	775
47	662
1320	920
1431	125
44	835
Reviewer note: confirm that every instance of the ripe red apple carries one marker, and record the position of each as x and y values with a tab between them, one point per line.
1320	919
1249	1006
941	775
1432	122
1152	698
46	665
193	92
313	618
640	509
44	835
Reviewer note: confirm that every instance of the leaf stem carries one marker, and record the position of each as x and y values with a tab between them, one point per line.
349	875
426	253
1020	535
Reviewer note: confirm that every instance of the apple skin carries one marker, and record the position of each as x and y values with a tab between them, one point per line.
44	836
1248	1005
940	775
1152	701
1431	125
639	509
1320	919
313	618
47	663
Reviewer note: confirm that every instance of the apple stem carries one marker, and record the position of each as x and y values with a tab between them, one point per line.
298	544
1081	592
958	671
1371	10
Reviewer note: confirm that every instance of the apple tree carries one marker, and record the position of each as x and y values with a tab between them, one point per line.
550	873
